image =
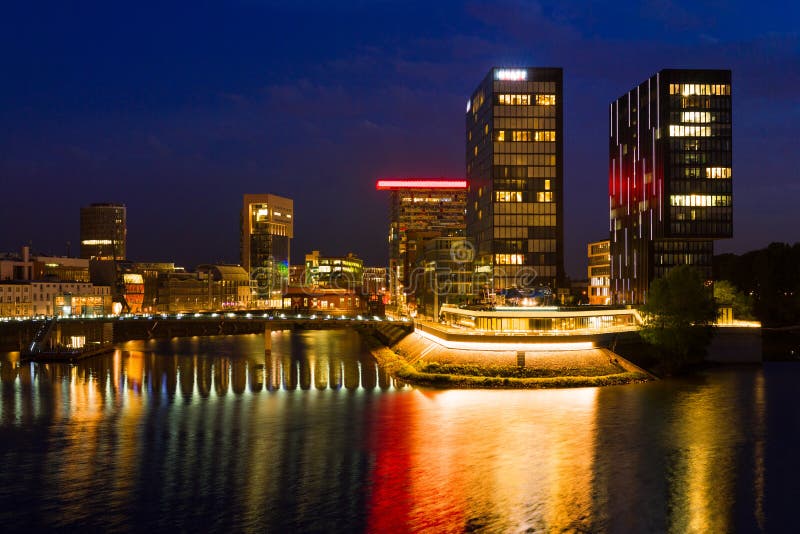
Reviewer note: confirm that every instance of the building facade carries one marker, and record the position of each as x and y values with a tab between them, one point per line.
419	209
209	288
447	275
515	167
345	272
150	272
670	177
29	298
297	275
267	231
324	301
599	255
27	266
103	231
374	281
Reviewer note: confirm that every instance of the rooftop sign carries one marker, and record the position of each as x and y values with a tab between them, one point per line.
418	183
511	75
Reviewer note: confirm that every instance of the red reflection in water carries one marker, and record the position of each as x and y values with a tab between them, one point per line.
406	479
390	500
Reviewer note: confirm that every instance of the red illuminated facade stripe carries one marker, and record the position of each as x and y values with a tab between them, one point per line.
420	183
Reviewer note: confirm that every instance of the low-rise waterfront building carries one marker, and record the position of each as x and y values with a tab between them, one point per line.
150	272
323	300
209	288
538	320
29	298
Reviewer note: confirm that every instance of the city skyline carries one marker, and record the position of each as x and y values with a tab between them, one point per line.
157	132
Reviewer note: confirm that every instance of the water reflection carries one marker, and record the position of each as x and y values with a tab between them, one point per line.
219	434
196	367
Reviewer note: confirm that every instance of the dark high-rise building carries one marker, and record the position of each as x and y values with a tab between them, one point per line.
515	209
103	231
670	191
267	231
420	209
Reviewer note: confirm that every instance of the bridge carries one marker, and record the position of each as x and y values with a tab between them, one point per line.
67	331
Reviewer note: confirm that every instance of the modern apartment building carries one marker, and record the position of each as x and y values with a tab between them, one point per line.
670	177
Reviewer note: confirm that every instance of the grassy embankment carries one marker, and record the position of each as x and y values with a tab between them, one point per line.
461	376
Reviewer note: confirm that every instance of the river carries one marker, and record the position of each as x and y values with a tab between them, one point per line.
215	434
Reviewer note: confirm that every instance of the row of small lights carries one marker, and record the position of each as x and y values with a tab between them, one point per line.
213	315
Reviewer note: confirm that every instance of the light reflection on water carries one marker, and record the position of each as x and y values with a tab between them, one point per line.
214	433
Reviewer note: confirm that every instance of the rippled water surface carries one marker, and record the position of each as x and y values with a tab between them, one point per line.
217	434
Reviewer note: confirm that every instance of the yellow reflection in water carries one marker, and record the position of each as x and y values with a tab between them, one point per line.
471	460
702	490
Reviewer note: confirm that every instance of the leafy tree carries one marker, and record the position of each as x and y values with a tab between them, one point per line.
678	317
727	296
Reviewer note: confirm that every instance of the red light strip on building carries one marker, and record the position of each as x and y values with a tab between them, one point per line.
412	183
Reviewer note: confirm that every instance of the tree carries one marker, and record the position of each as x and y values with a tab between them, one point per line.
727	296
678	317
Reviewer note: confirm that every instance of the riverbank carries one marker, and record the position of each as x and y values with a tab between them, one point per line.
420	362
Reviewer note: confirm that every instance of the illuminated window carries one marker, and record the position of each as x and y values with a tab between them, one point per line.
514	100
696	116
521	135
545	135
546	100
508	259
544	196
718	172
688	89
700	201
679	130
508	196
547	185
501	135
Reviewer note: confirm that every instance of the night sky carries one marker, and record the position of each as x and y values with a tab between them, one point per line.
177	109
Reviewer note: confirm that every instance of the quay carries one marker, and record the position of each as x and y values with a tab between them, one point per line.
40	338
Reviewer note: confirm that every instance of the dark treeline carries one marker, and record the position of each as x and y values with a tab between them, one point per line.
771	276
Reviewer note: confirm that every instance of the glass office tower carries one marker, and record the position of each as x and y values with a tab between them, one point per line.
267	231
515	167
103	231
670	189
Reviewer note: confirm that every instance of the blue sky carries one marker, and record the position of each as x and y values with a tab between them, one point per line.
177	109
